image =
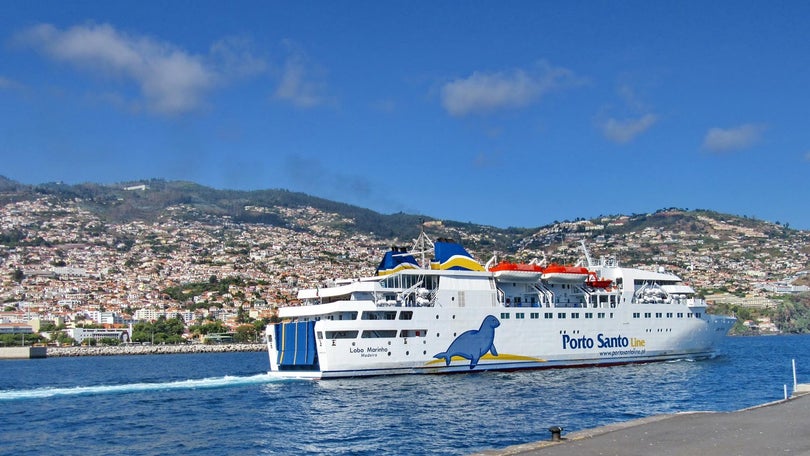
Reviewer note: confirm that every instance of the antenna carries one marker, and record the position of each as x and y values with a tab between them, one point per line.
423	243
587	254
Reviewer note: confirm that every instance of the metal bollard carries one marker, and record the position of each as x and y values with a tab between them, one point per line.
555	433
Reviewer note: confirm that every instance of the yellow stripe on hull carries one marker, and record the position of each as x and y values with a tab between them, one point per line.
490	357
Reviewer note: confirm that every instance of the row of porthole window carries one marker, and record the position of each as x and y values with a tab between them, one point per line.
550	315
669	315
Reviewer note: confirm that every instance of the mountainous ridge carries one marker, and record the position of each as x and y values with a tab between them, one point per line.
683	240
148	199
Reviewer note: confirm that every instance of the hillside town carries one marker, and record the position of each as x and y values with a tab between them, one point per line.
63	266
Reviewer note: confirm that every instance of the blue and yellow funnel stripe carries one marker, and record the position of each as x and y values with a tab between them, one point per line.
396	260
450	255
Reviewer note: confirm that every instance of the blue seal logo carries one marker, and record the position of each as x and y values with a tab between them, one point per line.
473	344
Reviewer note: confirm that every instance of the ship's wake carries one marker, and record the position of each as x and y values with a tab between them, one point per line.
205	383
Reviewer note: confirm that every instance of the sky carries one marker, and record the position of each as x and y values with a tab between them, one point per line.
511	114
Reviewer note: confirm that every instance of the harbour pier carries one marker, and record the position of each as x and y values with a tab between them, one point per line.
22	352
779	427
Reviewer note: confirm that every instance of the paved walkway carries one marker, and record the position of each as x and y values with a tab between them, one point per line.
779	428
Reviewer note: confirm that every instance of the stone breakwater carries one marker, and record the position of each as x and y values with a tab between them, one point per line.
152	349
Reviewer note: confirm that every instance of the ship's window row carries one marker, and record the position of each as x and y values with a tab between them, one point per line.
367	315
379	315
550	315
373	334
379	334
341	334
668	315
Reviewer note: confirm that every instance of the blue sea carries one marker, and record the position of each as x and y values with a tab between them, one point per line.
225	404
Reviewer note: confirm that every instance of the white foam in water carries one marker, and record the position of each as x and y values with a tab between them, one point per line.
216	382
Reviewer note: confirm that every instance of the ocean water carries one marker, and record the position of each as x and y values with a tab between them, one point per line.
226	404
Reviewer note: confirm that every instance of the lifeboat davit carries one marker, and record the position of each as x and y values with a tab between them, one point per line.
597	282
558	273
506	270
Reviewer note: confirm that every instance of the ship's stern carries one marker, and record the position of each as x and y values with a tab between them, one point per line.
292	349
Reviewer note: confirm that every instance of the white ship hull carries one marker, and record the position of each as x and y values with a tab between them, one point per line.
445	321
520	343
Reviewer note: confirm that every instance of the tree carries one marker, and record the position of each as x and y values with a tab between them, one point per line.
62	339
793	315
242	316
245	333
17	275
161	331
211	327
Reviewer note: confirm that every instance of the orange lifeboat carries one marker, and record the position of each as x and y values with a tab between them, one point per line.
558	273
507	270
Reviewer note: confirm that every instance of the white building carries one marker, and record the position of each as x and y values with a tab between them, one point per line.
80	334
104	318
147	314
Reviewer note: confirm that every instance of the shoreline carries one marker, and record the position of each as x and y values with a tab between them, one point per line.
60	352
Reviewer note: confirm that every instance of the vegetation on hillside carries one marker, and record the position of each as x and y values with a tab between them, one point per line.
163	330
188	291
791	315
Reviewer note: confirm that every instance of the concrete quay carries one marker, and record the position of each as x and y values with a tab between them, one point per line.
22	352
781	427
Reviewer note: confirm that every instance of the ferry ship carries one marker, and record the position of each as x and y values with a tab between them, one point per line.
451	314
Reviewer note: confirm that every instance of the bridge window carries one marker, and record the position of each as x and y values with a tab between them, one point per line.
379	334
379	315
341	334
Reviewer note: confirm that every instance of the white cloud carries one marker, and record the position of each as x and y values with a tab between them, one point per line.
6	83
300	82
732	139
636	117
384	105
485	92
628	94
234	56
625	130
171	80
487	159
